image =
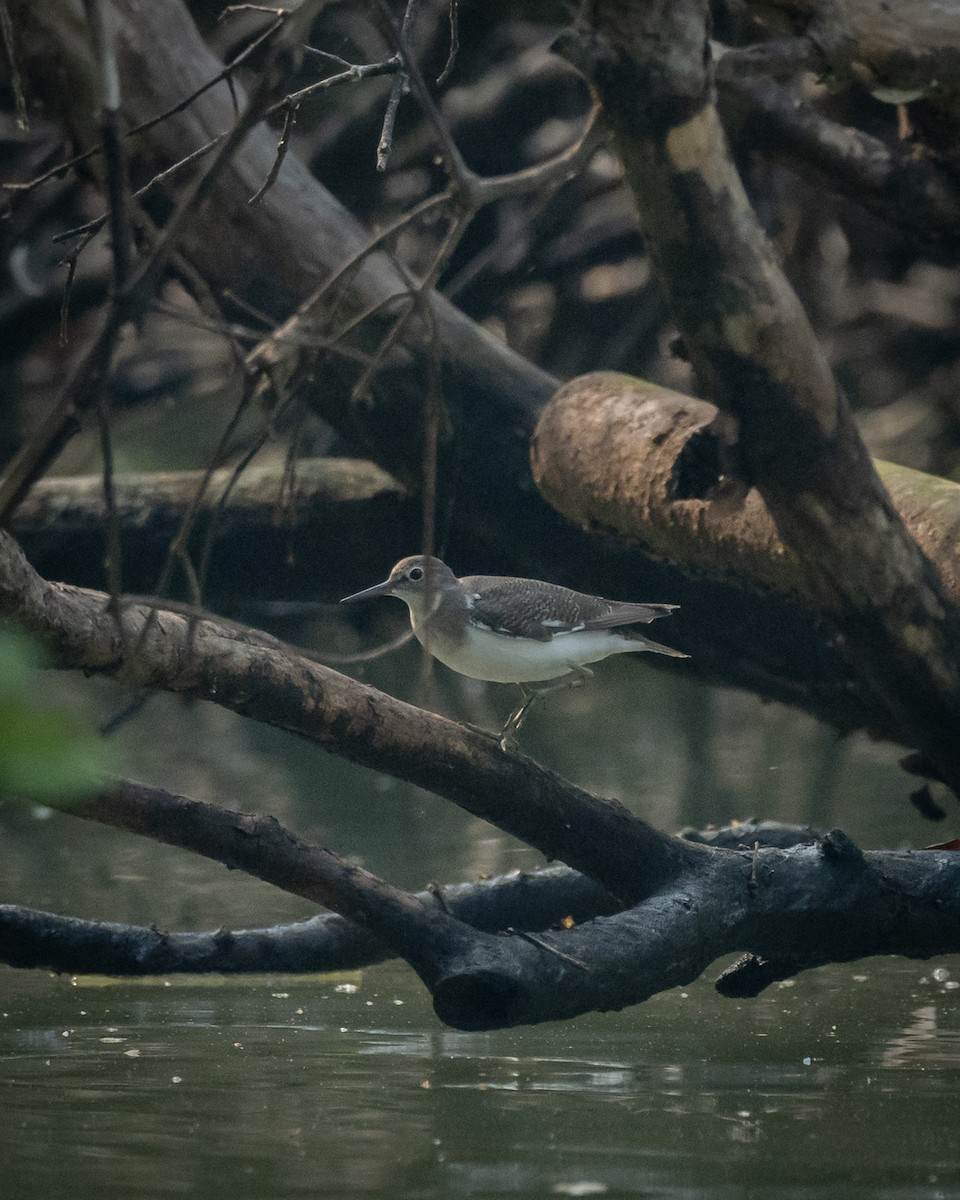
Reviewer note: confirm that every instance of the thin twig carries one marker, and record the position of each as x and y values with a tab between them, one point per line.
416	294
16	83
217	514
385	145
283	145
454	43
354	73
97	223
39	451
112	138
113	562
68	286
233	9
179	540
543	944
334	58
226	75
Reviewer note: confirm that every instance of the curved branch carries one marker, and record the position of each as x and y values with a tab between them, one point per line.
166	651
789	909
522	900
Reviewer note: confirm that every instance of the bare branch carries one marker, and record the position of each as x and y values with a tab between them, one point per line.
399	86
789	909
454	43
283	145
116	163
348	718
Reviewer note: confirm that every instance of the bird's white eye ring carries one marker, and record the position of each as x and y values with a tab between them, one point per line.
415	574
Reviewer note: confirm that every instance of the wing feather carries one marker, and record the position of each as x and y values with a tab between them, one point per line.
528	608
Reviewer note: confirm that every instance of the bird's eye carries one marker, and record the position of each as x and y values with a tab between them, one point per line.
415	574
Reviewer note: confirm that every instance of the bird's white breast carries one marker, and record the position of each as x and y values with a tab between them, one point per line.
499	658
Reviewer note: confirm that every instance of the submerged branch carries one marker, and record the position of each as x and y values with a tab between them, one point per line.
328	942
789	909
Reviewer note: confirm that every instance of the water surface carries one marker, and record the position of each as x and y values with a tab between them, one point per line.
844	1082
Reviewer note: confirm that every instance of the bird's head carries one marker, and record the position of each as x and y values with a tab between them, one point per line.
418	581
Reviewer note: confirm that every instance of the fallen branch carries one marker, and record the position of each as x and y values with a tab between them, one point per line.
523	900
333	519
789	909
800	908
619	453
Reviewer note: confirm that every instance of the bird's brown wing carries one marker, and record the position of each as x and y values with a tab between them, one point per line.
529	608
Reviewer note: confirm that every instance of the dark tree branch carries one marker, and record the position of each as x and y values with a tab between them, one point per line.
789	909
894	183
808	906
328	942
533	900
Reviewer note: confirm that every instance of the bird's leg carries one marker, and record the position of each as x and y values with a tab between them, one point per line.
508	735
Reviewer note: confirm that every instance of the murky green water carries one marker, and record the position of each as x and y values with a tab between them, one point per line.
844	1083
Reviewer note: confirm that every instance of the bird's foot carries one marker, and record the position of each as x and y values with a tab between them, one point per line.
580	676
509	742
508	734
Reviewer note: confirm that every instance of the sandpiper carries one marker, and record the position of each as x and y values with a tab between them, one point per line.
508	630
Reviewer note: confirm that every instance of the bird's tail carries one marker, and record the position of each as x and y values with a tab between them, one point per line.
648	644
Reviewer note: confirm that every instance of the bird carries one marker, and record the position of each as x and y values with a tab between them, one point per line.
507	630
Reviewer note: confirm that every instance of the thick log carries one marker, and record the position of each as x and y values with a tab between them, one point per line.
614	452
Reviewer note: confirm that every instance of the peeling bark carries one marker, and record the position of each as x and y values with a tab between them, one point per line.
611	451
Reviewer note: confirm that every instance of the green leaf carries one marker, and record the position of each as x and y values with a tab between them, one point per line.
19	660
44	753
